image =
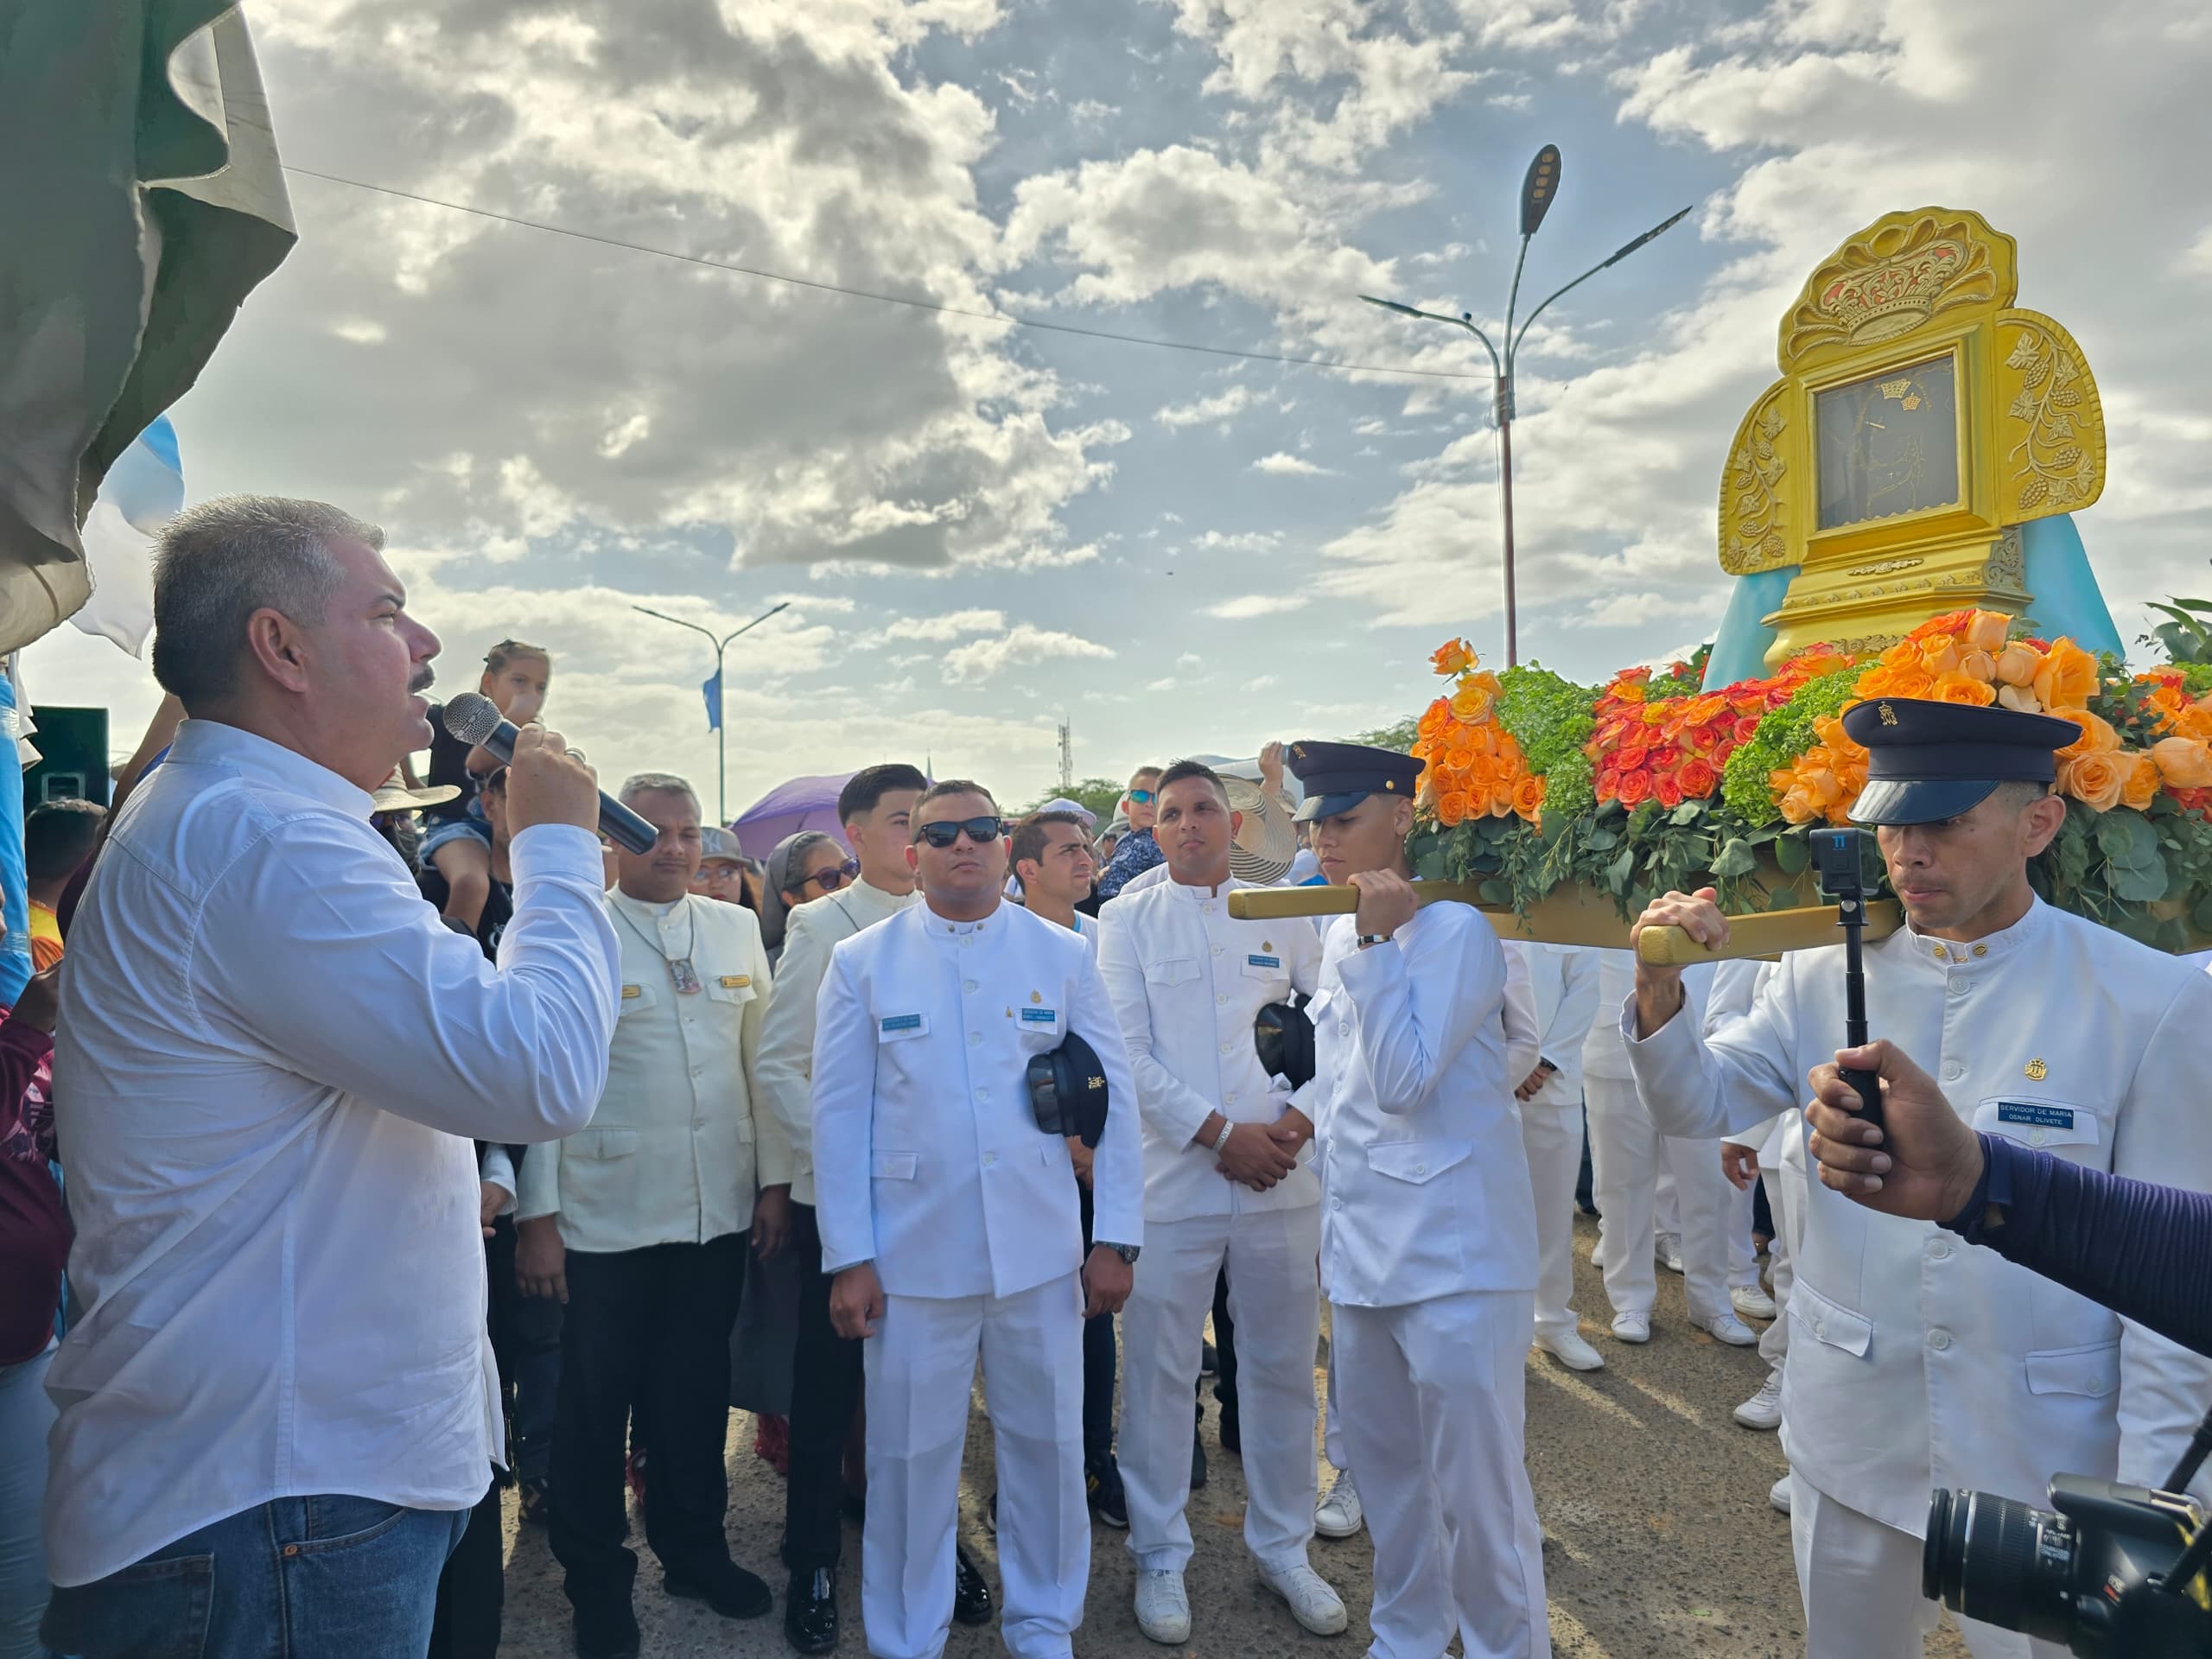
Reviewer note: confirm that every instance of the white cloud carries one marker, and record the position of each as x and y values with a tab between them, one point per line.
950	625
1221	409
1288	466
1254	605
1243	541
1025	643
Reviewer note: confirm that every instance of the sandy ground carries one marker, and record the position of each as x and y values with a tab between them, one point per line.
1658	1539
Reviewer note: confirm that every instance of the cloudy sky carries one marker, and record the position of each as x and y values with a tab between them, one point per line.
979	527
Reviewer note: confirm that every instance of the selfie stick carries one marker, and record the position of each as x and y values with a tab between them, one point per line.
1841	847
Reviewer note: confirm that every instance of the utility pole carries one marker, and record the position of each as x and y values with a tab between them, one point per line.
721	723
1067	757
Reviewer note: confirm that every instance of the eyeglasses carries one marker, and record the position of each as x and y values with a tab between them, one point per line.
944	831
1140	797
835	877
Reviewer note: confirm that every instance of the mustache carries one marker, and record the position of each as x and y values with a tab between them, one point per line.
425	677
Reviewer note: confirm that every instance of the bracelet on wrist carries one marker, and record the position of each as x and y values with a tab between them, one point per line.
1366	940
1222	1139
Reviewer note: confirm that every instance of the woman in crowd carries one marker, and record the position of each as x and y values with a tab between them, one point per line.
803	867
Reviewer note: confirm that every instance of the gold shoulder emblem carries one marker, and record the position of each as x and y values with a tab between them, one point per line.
1036	997
2036	1070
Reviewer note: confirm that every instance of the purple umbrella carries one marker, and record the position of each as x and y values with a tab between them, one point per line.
801	804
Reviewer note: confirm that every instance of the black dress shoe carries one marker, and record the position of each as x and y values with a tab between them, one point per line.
971	1597
1197	1462
1232	1437
811	1611
723	1585
607	1636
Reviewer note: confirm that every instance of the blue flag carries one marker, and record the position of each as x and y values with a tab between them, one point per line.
713	692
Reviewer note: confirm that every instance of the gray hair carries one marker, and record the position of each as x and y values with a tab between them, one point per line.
217	563
658	783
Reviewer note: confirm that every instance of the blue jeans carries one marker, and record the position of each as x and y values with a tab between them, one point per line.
301	1578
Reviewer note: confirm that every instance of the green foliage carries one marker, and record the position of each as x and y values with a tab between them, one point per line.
1548	716
1098	795
1782	736
2186	635
1570	786
1400	737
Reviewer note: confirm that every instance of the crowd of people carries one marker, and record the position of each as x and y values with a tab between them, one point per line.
410	1143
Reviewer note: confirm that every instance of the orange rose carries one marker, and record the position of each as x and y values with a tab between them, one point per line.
2097	778
2018	697
2017	665
2097	735
2068	676
1451	809
2142	785
1939	656
1471	701
1798	806
1435	719
1451	656
1529	797
1957	686
1979	664
1985	631
2183	762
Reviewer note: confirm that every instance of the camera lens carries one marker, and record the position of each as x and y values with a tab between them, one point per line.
1999	1560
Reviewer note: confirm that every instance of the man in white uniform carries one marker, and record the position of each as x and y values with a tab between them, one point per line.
1564	984
1429	1230
949	1223
1224	1187
1627	1151
1916	1363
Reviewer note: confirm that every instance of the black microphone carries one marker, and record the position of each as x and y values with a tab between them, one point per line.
474	719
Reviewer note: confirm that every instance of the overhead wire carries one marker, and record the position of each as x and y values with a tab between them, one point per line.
1004	318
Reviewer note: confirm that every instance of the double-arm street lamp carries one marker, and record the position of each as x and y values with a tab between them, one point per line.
721	725
1537	189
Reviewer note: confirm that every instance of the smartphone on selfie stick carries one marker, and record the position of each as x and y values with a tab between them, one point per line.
1839	860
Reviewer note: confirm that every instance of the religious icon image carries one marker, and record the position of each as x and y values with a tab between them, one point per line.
1889	444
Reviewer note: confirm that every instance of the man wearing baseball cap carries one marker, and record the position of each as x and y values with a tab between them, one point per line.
1917	1363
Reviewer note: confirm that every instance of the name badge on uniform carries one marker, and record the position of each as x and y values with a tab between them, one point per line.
630	992
1257	961
1040	1016
736	981
892	1027
2036	1117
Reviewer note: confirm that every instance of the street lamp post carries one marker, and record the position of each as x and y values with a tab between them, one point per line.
721	719
1538	188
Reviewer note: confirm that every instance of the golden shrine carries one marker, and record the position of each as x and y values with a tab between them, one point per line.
1920	420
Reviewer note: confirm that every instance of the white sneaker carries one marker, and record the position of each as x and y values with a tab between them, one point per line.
1572	1351
1726	1327
1338	1514
1163	1610
1778	1495
1668	1247
1762	1409
1751	1302
1632	1327
1313	1603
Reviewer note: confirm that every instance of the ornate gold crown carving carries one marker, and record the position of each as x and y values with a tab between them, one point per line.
1895	275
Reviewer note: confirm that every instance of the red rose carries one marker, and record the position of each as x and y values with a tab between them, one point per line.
1634	788
1668	789
1632	757
1698	779
1609	780
1746	725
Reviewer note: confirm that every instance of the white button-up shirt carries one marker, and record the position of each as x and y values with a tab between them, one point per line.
1187	981
930	1163
785	1069
676	1152
1916	1362
270	1055
1425	1188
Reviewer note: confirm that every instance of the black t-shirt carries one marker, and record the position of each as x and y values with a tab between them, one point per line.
449	765
498	908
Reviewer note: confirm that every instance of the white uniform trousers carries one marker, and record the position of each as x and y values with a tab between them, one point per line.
1433	1410
1274	1297
920	1367
1551	1132
1736	1224
1332	1420
1861	1584
1625	1152
1786	1198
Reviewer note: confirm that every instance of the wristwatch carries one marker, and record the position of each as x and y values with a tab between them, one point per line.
1127	1252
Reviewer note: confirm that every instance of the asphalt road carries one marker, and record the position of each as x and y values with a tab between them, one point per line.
1658	1538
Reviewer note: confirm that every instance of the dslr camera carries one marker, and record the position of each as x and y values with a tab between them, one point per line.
2108	1569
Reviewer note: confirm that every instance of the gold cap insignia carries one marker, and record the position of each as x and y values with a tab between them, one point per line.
2036	1070
1036	997
1889	715
1266	944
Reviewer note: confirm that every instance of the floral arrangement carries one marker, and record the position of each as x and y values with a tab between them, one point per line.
1654	780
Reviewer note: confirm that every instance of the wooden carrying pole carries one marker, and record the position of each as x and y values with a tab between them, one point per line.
1581	916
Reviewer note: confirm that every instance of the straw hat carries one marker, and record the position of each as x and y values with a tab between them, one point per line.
393	796
1265	844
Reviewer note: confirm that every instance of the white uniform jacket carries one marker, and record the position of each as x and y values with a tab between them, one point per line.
1919	1361
1563	979
1187	982
927	1156
1425	1185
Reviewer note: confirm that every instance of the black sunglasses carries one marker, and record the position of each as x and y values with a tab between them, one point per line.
835	877
944	831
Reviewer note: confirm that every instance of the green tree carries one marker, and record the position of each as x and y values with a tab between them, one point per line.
1098	795
1399	737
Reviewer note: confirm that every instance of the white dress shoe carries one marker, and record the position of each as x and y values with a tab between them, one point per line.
1163	1609
1762	1409
1313	1603
1751	1302
1572	1351
1668	1247
1338	1514
1778	1495
1726	1327
1632	1327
